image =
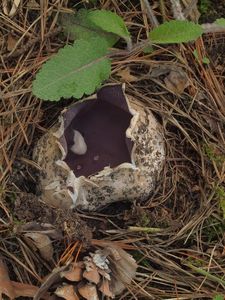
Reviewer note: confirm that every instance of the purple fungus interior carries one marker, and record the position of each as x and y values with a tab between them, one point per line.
102	122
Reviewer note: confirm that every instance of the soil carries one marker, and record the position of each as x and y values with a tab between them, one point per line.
29	208
211	10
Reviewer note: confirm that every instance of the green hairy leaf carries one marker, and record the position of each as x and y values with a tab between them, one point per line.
79	26
74	71
175	31
220	22
110	22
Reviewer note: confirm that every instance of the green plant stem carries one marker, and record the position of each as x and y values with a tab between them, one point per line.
207	274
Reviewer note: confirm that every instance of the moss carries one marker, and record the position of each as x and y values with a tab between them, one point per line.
204	6
142	261
213	229
220	193
212	154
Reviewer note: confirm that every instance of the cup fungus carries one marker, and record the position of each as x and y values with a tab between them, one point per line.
106	148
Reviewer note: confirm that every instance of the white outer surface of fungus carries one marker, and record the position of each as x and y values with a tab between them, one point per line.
128	181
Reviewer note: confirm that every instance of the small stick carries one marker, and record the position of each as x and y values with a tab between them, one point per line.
212	28
150	14
177	10
189	8
145	229
29	44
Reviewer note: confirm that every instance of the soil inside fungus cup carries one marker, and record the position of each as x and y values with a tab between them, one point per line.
102	124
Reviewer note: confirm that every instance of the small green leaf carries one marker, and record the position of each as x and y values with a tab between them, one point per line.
195	53
79	26
74	71
220	22
110	22
222	205
205	59
220	192
175	31
218	297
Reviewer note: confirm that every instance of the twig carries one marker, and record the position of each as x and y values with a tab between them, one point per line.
189	8
212	28
145	229
52	278
29	44
150	14
177	10
163	9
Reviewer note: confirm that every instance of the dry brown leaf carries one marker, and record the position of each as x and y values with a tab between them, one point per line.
11	42
24	290
126	76
67	292
43	244
123	267
10	7
92	276
177	81
14	289
104	288
91	272
43	228
6	287
75	272
88	292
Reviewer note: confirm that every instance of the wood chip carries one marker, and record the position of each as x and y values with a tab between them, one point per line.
104	288
67	292
88	292
75	272
92	276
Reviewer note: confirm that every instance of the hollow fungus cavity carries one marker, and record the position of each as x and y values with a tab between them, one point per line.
106	148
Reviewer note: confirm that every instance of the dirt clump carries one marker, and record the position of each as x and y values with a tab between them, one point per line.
28	207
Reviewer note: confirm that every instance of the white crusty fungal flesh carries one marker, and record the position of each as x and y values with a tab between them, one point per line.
106	148
79	146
